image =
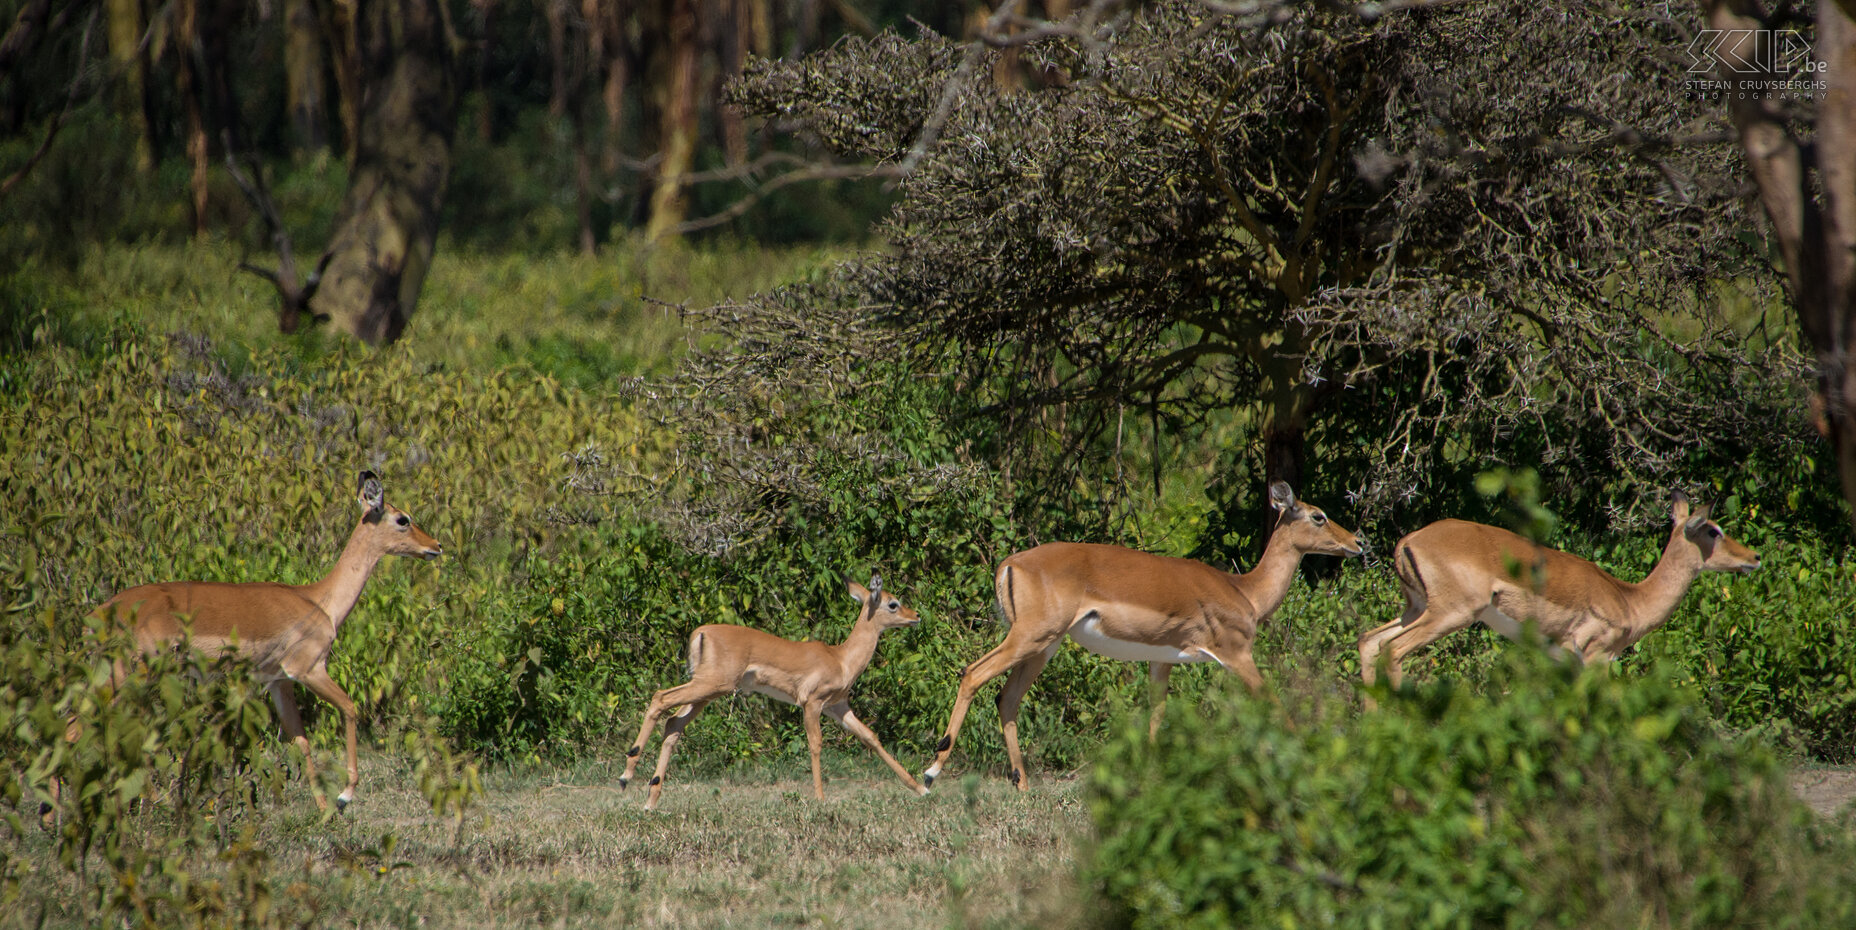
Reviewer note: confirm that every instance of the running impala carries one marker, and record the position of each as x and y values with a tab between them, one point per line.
1455	573
285	631
1138	607
817	677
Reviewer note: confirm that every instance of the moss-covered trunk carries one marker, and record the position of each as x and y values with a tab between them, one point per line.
384	240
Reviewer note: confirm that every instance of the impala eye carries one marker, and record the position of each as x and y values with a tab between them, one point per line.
1319	519
403	520
894	605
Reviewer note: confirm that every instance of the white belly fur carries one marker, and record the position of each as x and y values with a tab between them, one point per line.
749	682
1089	635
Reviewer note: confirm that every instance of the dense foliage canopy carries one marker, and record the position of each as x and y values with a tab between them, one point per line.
1494	233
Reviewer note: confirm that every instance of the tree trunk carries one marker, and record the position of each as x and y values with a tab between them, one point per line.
338	29
673	81
554	12
187	85
1836	166
611	56
1288	401
1285	455
1817	237
486	111
21	40
306	96
737	33
130	61
388	225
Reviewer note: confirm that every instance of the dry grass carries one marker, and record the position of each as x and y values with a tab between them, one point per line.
567	848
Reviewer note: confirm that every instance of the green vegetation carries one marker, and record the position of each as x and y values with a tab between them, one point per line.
1133	266
1551	797
156	428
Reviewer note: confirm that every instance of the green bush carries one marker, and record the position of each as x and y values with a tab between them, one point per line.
1566	799
1772	651
160	784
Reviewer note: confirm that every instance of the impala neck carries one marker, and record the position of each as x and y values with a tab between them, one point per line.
1655	597
337	593
1268	583
859	647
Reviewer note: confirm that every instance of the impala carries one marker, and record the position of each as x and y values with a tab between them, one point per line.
1455	573
816	676
284	630
1138	607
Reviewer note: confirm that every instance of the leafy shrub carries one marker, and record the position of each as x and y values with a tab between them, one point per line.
164	776
1772	650
165	780
1565	799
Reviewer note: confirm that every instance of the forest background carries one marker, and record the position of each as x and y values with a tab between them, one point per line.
665	314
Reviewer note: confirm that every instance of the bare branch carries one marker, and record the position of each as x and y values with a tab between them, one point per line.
829	172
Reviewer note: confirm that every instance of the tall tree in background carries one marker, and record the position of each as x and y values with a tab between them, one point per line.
388	227
304	89
129	58
1391	231
670	105
1803	158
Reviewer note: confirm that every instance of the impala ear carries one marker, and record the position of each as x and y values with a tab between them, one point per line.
1678	507
1697	519
1281	496
876	585
859	593
369	493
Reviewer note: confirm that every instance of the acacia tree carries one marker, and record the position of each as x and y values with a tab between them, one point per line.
1300	213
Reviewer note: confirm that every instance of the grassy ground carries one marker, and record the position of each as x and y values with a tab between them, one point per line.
566	847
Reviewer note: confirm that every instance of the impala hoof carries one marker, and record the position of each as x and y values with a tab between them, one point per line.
623	781
343	800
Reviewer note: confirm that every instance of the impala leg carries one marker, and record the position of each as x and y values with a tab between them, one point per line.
1430	627
663	702
1370	644
1157	675
283	697
324	687
673	733
841	712
1003	657
815	740
1009	699
1374	640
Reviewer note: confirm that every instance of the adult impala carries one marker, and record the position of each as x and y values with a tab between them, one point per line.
816	676
1136	606
284	630
1455	573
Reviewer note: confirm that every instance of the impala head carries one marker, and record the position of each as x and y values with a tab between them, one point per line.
885	609
1309	527
393	530
1719	552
